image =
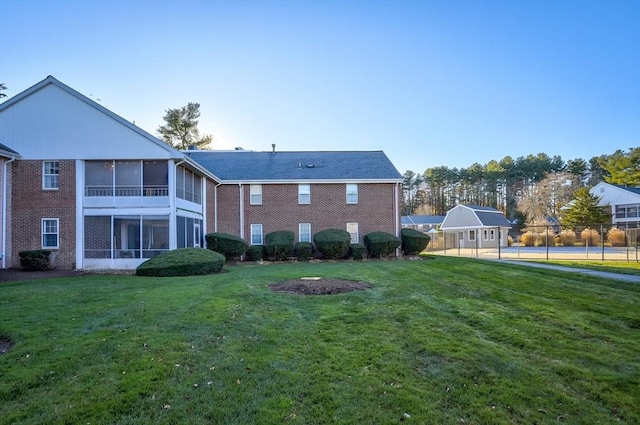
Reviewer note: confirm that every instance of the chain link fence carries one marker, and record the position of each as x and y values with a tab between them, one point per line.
549	242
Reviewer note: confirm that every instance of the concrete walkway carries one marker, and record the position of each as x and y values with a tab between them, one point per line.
606	275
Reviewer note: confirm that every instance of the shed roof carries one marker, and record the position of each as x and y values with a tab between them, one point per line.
287	166
474	216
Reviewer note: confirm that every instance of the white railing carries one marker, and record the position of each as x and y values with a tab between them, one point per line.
108	191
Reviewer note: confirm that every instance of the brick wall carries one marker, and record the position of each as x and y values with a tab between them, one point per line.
30	204
328	208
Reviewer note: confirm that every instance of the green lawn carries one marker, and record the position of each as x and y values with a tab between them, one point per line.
623	267
440	341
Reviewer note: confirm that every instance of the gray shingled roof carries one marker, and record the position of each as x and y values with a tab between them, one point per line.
244	165
422	219
489	218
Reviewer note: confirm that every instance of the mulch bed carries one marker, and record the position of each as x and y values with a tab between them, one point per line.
318	286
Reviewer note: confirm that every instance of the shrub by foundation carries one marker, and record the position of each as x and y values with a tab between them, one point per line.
255	252
34	260
413	241
358	251
231	246
332	243
182	262
278	245
304	251
381	244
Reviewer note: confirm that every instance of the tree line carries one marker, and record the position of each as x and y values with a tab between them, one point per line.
528	189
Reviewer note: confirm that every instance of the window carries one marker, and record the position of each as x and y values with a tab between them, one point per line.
485	234
188	185
256	234
492	234
472	235
50	233
352	228
304	194
352	194
50	175
255	194
304	232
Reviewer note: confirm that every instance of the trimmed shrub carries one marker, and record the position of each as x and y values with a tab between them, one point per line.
547	238
279	244
381	244
568	238
255	252
304	251
590	237
358	251
529	239
229	245
332	243
182	262
617	237
413	241
34	260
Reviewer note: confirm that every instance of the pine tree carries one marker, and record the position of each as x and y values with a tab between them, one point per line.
181	129
584	210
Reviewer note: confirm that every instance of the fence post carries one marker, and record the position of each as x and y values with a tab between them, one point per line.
602	240
546	240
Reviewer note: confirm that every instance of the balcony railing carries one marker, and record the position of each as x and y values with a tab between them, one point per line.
108	191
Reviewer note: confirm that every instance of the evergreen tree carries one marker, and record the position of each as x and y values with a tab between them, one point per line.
623	168
181	128
584	210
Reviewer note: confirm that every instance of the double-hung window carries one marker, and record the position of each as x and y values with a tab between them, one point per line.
256	234
50	175
304	232
352	194
255	194
304	194
50	231
352	228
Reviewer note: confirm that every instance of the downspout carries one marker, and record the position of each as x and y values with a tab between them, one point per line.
241	210
215	207
396	216
4	212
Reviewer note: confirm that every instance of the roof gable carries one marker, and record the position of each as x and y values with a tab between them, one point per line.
612	194
250	166
72	126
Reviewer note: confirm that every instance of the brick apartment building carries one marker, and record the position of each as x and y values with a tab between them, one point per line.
101	193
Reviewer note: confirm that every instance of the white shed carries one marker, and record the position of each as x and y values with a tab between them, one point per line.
476	226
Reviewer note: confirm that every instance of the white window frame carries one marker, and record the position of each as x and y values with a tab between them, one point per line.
255	194
45	231
304	232
254	228
472	235
355	236
492	234
51	180
304	194
485	234
352	193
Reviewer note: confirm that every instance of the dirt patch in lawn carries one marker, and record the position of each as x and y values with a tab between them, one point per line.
5	344
318	286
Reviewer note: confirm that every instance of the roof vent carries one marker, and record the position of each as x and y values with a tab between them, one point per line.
273	147
239	148
310	165
193	147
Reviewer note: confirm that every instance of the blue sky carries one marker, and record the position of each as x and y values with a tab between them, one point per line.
429	82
